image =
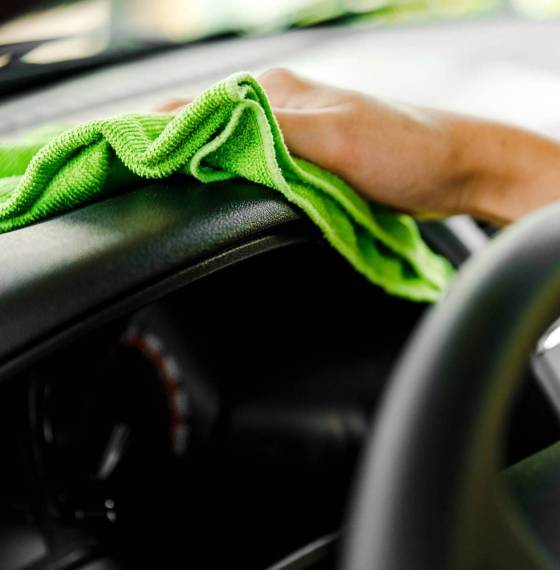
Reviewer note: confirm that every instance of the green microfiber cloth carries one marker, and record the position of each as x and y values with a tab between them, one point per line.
229	131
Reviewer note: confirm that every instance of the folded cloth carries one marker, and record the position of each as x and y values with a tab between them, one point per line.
229	131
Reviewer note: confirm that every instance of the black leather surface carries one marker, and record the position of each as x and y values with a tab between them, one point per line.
54	273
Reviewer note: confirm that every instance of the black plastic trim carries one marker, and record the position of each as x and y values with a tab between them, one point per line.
72	273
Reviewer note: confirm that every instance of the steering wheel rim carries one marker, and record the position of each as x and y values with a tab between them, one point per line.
428	496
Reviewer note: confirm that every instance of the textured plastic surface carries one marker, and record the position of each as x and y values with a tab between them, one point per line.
57	272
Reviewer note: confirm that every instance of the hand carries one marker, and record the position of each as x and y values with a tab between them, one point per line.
388	153
413	159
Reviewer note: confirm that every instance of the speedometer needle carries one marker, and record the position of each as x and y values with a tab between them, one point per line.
113	452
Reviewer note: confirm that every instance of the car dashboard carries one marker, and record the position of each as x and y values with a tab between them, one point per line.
189	372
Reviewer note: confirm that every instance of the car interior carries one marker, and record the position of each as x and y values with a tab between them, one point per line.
190	376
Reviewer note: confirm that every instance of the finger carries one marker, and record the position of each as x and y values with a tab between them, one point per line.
308	134
174	104
283	87
288	90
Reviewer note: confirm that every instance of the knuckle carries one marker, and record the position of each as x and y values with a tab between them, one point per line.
279	74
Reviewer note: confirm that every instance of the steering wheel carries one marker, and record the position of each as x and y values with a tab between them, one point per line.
429	495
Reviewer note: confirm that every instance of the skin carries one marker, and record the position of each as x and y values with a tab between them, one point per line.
420	160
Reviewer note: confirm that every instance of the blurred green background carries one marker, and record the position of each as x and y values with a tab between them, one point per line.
399	10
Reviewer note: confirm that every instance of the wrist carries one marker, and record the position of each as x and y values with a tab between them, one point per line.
482	172
500	172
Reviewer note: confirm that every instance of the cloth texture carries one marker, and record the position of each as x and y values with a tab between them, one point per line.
229	131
